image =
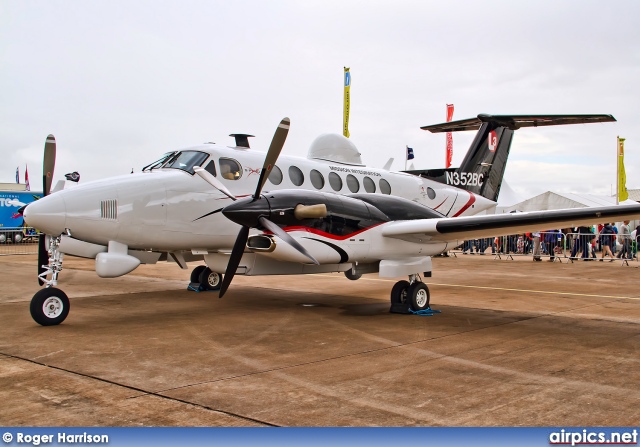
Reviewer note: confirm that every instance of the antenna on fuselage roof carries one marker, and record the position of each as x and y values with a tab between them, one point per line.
242	139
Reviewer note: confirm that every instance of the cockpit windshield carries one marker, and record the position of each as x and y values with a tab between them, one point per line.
159	162
184	160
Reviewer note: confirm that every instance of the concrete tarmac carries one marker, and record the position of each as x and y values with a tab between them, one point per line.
517	343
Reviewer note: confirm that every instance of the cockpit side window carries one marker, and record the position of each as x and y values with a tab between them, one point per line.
230	169
186	160
211	168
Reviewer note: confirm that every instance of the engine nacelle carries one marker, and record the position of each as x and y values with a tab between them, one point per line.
273	247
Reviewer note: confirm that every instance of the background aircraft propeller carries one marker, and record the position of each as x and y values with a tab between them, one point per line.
48	165
238	248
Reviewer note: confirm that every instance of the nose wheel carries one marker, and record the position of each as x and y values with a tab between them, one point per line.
410	295
49	306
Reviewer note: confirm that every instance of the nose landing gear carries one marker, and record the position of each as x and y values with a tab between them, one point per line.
50	306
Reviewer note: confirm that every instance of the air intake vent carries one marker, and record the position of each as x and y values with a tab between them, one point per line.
109	209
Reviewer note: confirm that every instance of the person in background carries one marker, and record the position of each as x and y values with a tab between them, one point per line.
536	246
586	236
614	245
606	236
490	242
551	241
625	239
576	242
528	241
598	230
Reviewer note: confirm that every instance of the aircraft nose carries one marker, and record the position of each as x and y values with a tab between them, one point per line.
47	214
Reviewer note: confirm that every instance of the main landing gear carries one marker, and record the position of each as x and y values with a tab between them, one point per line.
412	295
202	278
50	306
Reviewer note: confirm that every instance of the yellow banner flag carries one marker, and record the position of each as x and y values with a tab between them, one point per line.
622	176
347	101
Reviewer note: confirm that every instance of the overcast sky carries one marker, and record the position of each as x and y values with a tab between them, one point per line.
121	82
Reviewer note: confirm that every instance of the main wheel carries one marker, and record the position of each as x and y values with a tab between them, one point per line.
399	292
349	274
210	280
49	306
418	296
195	273
17	238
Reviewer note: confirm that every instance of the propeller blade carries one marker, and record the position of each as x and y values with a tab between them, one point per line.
210	179
43	256
48	164
272	155
286	237
234	260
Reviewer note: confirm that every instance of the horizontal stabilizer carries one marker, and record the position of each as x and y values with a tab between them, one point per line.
514	122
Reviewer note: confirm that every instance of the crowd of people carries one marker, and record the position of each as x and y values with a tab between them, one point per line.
608	239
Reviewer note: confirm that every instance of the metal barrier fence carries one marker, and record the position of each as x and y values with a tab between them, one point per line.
554	246
18	241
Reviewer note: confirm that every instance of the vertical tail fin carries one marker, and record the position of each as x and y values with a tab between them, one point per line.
482	170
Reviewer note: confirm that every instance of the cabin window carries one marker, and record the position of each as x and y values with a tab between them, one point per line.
335	181
317	180
211	168
230	169
368	184
296	175
352	183
385	187
186	160
431	193
275	176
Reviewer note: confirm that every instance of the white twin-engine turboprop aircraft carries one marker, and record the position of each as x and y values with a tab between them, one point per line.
288	215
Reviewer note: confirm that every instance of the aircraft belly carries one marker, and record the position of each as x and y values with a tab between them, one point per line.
394	248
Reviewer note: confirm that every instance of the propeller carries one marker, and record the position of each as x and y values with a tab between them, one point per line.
249	207
210	179
48	165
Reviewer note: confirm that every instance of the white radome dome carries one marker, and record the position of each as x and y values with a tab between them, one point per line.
335	147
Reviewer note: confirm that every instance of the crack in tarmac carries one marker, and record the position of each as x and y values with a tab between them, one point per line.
140	390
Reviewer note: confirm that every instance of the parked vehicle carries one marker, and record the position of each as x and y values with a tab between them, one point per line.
12	226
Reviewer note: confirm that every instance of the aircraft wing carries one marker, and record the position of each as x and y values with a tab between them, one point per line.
474	227
516	121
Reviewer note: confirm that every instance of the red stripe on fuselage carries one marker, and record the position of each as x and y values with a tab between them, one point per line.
472	199
440	204
325	234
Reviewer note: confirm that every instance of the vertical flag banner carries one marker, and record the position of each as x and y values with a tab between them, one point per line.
347	101
410	156
18	174
622	176
449	155
26	177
